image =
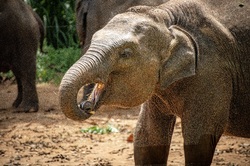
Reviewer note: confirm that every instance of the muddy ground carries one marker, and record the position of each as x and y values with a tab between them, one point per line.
48	138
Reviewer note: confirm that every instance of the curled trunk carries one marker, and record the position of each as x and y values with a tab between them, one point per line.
88	69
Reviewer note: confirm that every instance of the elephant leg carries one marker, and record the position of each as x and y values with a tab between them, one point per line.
25	73
153	133
202	152
19	98
202	126
30	98
205	115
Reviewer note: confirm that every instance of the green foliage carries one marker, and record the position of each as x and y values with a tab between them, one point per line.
6	76
59	19
100	130
53	65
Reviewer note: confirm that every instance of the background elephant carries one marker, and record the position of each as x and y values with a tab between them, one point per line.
21	30
178	59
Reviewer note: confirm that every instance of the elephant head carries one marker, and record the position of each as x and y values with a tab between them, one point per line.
128	59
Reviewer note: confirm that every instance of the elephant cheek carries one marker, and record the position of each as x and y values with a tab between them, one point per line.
123	101
145	85
130	94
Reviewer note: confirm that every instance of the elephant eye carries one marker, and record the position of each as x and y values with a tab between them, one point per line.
126	53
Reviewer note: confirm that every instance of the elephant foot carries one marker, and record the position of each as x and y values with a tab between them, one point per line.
151	155
27	108
201	153
16	103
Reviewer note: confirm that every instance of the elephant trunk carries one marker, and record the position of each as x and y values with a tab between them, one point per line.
91	68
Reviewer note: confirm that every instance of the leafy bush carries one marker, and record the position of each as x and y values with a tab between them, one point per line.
59	19
53	65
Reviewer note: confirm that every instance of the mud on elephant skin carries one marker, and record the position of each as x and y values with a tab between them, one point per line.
21	31
176	59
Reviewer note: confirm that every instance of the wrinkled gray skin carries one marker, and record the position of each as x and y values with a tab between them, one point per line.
92	15
178	59
21	30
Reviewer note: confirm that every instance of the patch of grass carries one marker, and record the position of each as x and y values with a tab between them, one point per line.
100	130
53	65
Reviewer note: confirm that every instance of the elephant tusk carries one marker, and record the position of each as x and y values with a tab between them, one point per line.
97	93
91	104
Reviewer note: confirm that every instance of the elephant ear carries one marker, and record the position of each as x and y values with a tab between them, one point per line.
180	58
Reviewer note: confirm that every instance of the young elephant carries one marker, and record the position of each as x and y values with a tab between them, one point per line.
175	59
21	29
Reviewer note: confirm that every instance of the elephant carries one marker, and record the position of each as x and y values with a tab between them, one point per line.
93	15
21	31
179	59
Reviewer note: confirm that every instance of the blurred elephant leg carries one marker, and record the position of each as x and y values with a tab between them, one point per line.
153	133
19	98
30	98
25	72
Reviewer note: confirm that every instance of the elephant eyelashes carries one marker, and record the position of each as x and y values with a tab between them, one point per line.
126	53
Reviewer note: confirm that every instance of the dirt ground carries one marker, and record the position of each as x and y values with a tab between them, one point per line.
48	138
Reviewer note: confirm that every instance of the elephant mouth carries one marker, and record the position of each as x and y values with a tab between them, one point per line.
94	100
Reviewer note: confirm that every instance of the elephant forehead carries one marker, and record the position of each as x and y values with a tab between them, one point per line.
112	35
128	19
130	16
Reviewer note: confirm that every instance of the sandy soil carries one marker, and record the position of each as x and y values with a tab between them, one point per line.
48	138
